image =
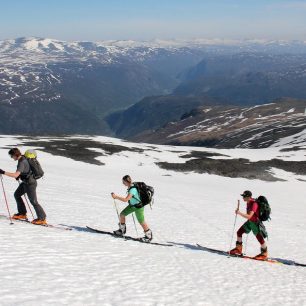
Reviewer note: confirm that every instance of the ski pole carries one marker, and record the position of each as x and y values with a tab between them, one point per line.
234	226
135	225
27	202
26	199
246	243
8	210
115	204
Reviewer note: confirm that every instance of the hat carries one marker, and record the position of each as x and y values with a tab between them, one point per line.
246	194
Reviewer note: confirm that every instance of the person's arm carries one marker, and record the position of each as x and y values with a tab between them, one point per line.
11	174
126	199
247	216
250	214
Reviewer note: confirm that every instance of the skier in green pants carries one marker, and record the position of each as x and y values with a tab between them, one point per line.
133	198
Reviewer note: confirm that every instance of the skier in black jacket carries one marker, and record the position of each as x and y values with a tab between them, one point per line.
28	186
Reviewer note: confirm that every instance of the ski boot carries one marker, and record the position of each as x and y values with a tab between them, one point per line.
19	216
237	250
148	236
39	222
263	254
121	231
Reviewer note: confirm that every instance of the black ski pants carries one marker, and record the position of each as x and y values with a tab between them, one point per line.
30	190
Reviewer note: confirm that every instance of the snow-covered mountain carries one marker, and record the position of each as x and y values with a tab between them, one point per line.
45	266
83	80
51	86
220	125
29	66
33	68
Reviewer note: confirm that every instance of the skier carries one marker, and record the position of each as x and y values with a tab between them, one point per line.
133	198
251	225
28	186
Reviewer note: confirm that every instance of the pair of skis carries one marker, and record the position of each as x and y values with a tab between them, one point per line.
220	252
268	260
200	247
57	226
126	237
67	228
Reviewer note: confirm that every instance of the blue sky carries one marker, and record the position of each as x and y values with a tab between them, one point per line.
148	19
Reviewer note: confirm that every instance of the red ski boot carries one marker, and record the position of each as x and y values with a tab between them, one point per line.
19	216
263	254
237	250
39	222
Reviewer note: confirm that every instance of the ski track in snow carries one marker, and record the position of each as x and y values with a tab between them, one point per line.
45	266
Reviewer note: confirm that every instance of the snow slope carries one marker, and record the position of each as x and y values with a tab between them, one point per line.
44	266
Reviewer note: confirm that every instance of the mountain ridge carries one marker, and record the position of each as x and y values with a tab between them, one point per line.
222	126
91	81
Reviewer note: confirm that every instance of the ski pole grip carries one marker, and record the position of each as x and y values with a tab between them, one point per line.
238	204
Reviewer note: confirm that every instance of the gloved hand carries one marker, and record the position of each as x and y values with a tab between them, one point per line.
1	171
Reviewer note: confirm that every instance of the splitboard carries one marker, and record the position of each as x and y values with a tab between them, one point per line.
43	225
269	260
126	237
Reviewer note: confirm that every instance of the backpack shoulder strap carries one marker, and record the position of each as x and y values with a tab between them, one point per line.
138	199
23	158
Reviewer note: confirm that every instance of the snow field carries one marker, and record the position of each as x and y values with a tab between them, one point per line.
44	266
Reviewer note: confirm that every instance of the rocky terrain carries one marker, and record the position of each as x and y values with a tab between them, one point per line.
232	126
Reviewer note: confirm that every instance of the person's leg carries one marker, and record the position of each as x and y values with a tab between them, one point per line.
122	227
125	212
263	255
242	230
141	219
139	212
122	219
261	240
145	226
31	192
20	191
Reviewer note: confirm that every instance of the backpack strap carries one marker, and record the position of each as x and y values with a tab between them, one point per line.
26	176
139	200
258	210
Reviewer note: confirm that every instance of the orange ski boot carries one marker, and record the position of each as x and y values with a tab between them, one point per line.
19	216
237	250
39	222
263	254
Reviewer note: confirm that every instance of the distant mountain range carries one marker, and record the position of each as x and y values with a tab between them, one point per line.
127	88
247	78
88	80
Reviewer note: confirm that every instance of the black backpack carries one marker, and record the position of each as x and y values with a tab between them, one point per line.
264	208
145	192
36	169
